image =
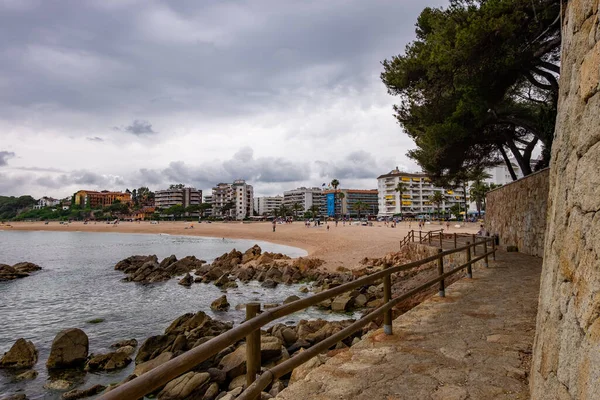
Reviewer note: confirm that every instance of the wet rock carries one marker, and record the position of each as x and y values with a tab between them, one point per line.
22	354
303	289
187	280
124	343
220	304
269	284
189	385
144	367
18	396
108	362
27	375
167	261
289	336
129	350
8	273
69	349
82	393
59	384
229	285
290	299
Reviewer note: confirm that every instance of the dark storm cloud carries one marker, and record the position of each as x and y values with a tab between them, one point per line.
214	58
138	128
243	165
5	156
356	165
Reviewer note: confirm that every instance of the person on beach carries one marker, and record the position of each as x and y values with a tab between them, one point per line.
274	225
327	227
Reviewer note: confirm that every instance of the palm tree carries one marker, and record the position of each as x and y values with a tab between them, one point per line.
334	183
477	193
400	188
283	210
314	209
296	207
360	206
437	199
478	176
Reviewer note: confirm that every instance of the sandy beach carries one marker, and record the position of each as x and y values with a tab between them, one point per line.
338	246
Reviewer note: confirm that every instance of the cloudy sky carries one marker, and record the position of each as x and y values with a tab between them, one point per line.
115	94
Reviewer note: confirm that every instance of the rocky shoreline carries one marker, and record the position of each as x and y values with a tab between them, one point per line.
223	375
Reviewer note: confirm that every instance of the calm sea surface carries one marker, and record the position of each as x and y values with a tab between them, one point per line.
78	283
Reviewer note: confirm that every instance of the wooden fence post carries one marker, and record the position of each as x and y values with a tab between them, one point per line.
441	238
485	248
252	346
469	267
494	248
420	238
455	246
442	291
474	245
429	237
387	296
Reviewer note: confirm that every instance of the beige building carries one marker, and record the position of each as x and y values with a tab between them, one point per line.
177	197
306	197
233	200
416	197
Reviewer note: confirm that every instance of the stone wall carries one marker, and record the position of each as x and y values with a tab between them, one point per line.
566	357
517	213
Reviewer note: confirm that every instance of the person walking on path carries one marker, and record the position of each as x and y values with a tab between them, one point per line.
274	225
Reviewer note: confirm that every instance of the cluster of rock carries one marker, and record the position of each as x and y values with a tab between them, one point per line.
69	352
223	375
19	270
147	269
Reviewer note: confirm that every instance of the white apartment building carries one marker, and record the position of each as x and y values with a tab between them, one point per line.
46	202
416	197
208	200
236	198
177	196
306	197
265	205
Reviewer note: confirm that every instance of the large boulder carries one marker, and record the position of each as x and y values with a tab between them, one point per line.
220	304
187	386
167	261
69	349
124	343
22	354
234	363
108	362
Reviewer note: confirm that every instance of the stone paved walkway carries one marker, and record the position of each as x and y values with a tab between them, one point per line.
473	344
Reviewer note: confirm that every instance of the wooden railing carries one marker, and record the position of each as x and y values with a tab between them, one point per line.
250	329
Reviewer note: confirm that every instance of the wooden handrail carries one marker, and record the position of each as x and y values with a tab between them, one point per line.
253	391
181	364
